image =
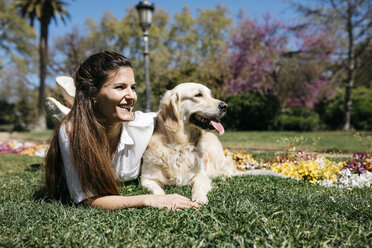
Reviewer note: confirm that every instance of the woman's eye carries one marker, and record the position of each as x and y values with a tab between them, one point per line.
134	88
199	95
119	87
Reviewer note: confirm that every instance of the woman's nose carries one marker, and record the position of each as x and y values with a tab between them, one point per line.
130	93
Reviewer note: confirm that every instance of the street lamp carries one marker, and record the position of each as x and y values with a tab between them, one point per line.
145	10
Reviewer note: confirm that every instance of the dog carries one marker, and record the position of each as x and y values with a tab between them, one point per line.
183	150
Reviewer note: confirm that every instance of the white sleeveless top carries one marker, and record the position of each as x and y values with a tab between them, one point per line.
135	136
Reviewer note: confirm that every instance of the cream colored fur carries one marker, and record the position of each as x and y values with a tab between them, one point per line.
181	153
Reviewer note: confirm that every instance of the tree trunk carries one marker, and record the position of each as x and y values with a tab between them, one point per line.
350	69
43	55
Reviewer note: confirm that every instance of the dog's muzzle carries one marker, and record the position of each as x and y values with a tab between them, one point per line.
222	106
209	123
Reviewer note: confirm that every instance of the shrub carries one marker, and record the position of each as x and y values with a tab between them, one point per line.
6	112
297	119
251	111
361	113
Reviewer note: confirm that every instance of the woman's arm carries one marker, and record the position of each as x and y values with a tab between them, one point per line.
114	202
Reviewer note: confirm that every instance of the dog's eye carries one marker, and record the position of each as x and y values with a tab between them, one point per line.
199	94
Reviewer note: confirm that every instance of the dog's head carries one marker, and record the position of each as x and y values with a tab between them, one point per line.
191	104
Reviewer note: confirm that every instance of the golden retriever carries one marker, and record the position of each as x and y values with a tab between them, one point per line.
181	150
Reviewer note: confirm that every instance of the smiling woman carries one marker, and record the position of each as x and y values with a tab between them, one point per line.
116	99
102	140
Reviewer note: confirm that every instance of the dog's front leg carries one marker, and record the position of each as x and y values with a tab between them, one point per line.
201	185
152	185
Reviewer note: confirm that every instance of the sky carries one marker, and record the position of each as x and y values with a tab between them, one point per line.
80	10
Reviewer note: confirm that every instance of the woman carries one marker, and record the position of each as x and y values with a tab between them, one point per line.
102	140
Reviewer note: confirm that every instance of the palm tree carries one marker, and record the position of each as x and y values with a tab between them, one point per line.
44	11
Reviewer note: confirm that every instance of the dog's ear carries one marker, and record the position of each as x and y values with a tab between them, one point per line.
169	111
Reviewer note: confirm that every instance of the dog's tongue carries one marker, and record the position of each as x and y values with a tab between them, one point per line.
218	126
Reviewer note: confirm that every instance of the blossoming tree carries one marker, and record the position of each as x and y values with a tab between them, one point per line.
271	57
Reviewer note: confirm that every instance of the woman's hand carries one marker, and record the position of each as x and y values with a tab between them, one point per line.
113	202
171	202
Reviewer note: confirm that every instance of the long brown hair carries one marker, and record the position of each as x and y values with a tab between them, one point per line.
88	139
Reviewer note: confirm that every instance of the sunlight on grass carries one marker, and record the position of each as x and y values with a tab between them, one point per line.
242	211
330	142
40	136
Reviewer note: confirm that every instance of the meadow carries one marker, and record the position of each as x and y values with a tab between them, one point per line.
242	211
322	141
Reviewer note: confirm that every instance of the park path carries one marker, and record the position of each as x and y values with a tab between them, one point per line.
21	137
4	136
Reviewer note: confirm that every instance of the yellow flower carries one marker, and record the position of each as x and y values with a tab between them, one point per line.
311	170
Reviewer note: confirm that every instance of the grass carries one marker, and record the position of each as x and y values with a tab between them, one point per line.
265	141
6	127
243	211
328	142
39	136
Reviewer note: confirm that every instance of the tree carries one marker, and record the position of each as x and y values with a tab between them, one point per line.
44	11
18	91
363	74
213	28
16	38
276	59
69	51
182	39
194	46
351	22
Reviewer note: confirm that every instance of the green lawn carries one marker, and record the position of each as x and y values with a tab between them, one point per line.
329	142
243	211
39	137
268	141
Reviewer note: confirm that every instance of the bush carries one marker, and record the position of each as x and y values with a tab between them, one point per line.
361	112
297	119
6	112
251	111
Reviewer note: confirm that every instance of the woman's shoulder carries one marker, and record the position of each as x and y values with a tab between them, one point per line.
142	119
65	130
142	115
62	132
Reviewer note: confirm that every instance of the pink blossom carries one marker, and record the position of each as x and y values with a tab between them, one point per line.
268	57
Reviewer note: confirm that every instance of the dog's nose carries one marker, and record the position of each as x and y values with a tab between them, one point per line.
222	106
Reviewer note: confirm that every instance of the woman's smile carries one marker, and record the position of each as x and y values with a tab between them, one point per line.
117	96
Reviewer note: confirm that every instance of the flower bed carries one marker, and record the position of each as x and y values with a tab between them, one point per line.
356	172
245	161
310	167
27	148
316	169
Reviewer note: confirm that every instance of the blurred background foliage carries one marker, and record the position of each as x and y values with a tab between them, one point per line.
273	75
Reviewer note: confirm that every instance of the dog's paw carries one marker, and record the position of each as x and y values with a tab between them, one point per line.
202	199
158	192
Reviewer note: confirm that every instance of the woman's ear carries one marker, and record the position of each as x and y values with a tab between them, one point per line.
169	111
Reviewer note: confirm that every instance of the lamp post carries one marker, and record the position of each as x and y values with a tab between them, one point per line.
145	10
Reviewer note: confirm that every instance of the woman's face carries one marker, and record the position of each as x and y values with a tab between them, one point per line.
117	96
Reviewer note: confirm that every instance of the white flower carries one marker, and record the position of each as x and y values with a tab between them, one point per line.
320	161
41	152
349	180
